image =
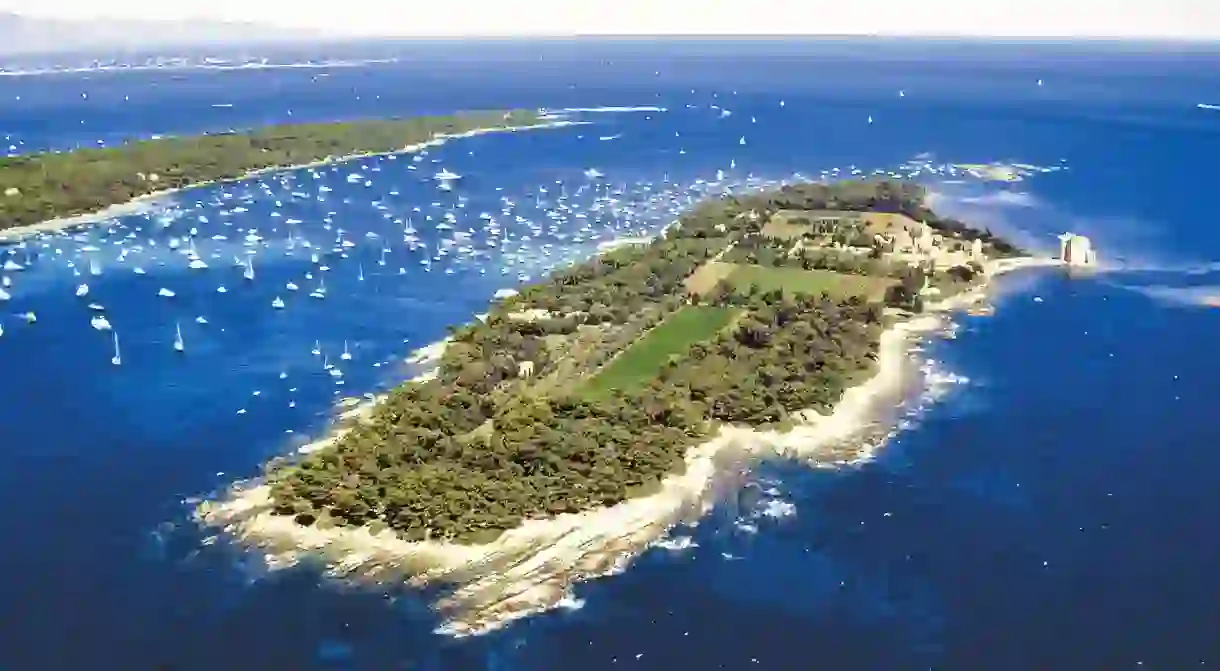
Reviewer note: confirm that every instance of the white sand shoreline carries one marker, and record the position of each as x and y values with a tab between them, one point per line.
137	204
531	568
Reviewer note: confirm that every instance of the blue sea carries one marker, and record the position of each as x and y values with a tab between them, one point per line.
1049	500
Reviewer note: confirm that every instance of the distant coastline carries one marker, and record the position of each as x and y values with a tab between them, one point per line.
139	174
568	430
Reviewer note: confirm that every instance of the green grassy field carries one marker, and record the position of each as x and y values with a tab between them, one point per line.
798	281
641	361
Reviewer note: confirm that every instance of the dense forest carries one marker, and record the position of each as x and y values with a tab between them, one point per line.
487	443
39	187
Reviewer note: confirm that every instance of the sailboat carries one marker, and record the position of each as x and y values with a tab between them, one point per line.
94	269
361	275
249	274
82	290
320	292
117	359
196	263
278	303
347	355
317	348
179	345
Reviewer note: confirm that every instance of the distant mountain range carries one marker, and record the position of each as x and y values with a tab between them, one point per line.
30	35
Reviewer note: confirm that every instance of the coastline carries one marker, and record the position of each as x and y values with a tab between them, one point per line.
136	205
531	568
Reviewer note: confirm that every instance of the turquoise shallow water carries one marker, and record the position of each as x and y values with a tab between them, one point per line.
1049	507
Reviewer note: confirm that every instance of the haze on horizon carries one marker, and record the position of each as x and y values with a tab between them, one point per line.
1160	19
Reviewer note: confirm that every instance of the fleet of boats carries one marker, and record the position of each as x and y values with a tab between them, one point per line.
303	223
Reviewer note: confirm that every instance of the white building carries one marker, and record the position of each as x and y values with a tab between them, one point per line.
1076	250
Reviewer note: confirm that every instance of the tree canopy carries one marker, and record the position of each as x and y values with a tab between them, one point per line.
482	446
50	185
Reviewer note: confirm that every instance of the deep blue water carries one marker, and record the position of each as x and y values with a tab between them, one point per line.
1054	512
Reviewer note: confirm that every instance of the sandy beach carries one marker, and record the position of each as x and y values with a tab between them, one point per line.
137	205
531	568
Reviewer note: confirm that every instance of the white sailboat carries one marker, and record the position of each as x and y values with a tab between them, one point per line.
278	303
317	348
249	273
196	263
320	292
347	355
117	359
179	345
361	275
94	269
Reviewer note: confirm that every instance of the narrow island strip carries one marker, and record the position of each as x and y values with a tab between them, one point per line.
52	191
581	418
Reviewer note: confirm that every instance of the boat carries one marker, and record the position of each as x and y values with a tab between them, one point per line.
100	323
179	345
347	355
249	273
117	359
94	269
291	286
278	303
166	293
82	290
361	275
4	295
317	348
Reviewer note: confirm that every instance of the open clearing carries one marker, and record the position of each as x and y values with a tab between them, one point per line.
707	276
640	362
799	281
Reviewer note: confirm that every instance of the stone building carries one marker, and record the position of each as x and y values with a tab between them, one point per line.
1076	250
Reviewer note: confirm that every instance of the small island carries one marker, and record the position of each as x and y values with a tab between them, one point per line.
53	186
589	388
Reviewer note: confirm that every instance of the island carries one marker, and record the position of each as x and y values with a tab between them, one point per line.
572	424
55	186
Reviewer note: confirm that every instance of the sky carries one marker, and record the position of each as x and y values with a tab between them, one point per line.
1189	19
